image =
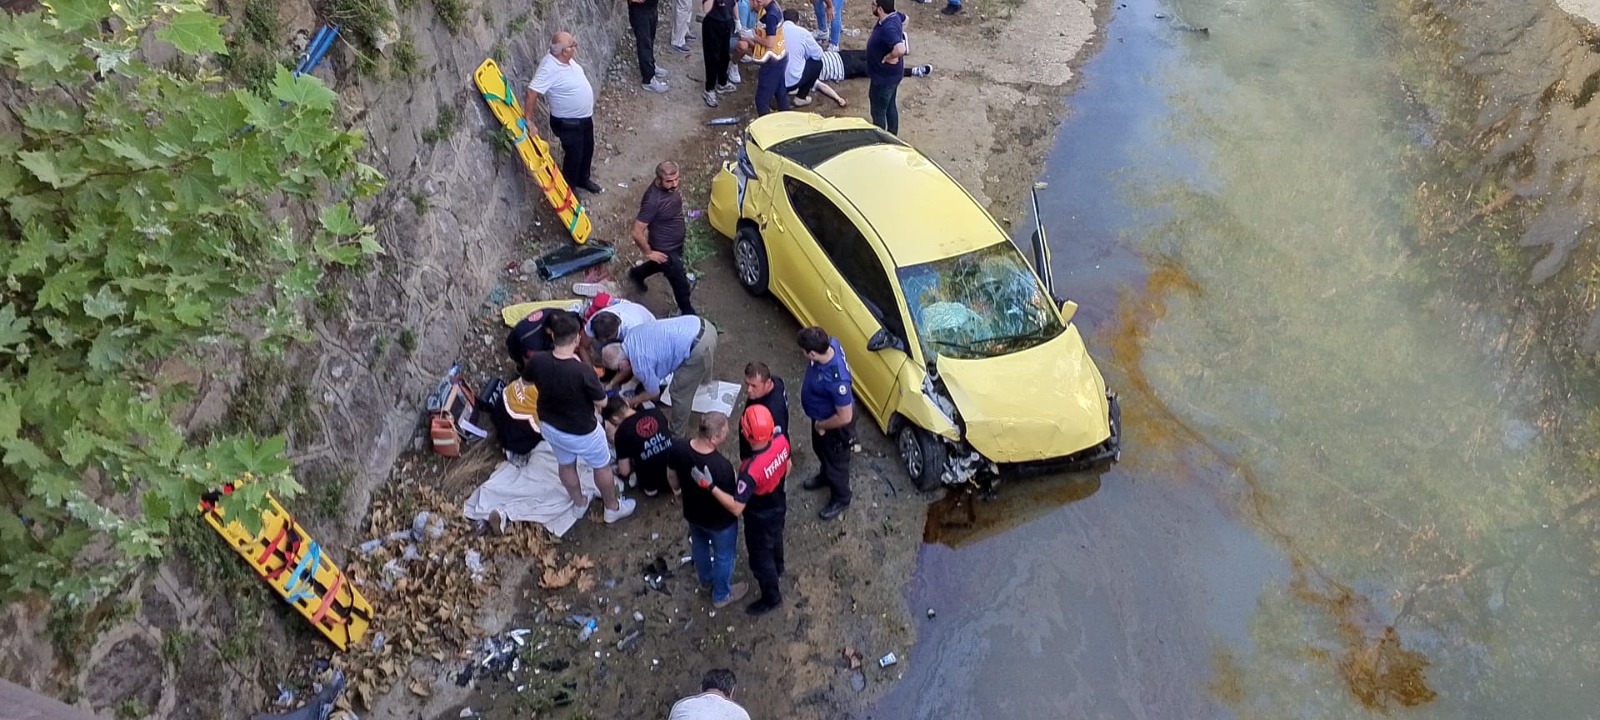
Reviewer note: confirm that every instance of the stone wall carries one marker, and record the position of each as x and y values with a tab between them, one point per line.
454	212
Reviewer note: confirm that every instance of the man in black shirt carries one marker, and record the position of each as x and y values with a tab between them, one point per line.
643	440
713	499
660	230
763	388
569	396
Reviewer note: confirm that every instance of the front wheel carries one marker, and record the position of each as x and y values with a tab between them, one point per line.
923	455
750	260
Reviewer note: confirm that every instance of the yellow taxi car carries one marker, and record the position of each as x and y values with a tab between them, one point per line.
957	348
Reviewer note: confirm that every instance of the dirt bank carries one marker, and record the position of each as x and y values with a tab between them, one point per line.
987	114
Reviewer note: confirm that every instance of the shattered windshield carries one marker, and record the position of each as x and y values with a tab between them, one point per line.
982	304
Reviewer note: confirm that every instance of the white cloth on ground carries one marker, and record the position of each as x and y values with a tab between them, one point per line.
531	493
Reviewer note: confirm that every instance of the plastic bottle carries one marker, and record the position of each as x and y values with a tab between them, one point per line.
588	630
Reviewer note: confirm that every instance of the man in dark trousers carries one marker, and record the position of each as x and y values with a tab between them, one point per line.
562	82
713	499
642	441
886	48
827	397
765	470
772	52
763	388
642	19
659	230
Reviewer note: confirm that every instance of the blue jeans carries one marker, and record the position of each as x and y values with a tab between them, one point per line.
713	552
885	111
838	19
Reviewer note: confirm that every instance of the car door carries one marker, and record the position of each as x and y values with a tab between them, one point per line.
791	255
858	296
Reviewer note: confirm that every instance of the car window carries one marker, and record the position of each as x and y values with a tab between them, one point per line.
812	150
979	304
849	250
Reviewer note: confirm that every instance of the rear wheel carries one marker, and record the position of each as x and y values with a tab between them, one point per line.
923	455
750	260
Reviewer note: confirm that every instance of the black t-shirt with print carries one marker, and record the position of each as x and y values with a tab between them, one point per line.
568	390
644	440
700	507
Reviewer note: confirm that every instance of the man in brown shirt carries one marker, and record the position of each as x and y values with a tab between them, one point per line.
659	231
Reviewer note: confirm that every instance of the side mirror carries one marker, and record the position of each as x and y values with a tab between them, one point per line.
1068	309
882	340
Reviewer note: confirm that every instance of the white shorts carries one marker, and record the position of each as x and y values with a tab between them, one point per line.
591	449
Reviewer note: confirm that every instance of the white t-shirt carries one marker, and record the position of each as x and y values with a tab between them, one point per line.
707	706
802	47
565	87
631	314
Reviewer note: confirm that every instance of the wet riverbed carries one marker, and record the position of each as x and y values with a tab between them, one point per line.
1330	505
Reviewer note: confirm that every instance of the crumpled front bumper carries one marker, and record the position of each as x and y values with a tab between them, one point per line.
1108	451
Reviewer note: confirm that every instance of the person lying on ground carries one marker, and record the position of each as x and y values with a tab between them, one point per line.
840	65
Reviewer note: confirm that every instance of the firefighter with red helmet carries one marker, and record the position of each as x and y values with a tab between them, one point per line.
765	468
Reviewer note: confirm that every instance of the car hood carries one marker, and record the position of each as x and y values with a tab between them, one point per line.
1045	402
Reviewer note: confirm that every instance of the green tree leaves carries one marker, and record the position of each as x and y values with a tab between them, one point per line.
194	32
143	216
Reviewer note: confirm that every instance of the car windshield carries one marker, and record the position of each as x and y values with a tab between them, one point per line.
982	304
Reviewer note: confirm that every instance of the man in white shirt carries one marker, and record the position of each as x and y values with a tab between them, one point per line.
805	59
571	97
715	701
610	322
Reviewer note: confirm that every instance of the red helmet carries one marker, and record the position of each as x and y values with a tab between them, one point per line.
756	424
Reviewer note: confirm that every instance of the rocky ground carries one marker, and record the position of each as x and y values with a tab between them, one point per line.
987	114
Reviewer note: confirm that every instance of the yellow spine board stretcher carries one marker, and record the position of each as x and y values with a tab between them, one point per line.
513	314
291	562
534	151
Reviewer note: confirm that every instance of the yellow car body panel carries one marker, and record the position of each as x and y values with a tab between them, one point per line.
769	130
920	213
1044	402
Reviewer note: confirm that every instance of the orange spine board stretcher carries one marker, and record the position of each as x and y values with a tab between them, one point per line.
534	151
291	562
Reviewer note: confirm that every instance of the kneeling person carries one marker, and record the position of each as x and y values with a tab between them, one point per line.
643	442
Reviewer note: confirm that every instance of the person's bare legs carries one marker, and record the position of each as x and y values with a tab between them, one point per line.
607	483
569	480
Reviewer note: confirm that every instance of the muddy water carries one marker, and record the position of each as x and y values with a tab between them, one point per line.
1330	505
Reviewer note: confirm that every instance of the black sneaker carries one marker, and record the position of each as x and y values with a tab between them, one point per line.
763	606
592	187
951	9
833	510
815	482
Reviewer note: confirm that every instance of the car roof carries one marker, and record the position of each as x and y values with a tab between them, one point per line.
774	128
920	212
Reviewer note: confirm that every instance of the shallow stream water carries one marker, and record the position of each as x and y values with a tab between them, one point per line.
1329	504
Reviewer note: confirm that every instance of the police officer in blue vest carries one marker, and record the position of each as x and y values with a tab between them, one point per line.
827	398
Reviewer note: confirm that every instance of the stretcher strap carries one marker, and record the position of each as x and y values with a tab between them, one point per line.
327	600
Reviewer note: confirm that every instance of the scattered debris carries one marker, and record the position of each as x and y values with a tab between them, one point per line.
887	660
852	658
321	705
